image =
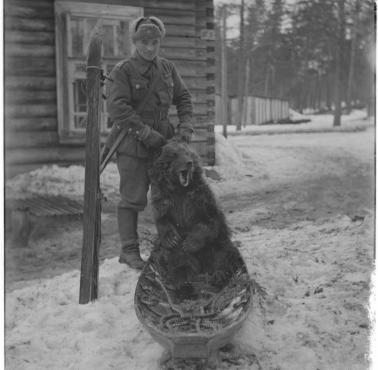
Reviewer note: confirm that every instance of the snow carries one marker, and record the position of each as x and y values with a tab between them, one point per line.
306	303
56	180
101	335
229	160
294	328
373	316
318	123
316	272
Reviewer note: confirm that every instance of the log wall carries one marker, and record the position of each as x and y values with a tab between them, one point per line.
31	126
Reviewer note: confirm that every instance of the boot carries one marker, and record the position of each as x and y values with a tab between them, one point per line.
131	256
127	226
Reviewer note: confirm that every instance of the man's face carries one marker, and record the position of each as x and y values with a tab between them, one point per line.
148	49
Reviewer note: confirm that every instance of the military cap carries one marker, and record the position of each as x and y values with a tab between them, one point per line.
146	28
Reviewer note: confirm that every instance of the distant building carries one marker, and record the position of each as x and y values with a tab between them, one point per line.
45	70
257	110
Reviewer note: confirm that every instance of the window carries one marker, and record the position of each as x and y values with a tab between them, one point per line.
74	24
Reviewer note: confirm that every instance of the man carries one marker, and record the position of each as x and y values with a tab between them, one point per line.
148	130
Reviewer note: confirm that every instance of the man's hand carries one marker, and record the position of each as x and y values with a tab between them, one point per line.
151	138
184	134
154	140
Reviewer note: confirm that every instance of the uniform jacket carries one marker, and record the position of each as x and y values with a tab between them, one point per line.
127	87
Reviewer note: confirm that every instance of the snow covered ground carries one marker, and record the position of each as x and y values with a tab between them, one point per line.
314	316
299	206
324	122
55	180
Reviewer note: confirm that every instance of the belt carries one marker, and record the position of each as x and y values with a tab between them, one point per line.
157	114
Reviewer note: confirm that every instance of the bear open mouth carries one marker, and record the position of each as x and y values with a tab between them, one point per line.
185	178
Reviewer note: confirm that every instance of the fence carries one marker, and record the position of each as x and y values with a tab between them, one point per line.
257	110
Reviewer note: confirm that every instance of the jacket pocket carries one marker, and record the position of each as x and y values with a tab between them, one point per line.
138	89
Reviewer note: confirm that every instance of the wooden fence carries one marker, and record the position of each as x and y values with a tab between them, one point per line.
257	110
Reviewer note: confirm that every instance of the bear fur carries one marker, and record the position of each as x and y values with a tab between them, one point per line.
193	234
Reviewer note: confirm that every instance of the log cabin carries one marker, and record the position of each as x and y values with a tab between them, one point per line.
45	70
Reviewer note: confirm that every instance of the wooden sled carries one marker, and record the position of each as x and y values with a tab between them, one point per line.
192	329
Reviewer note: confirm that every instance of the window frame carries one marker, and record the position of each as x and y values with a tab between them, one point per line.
64	10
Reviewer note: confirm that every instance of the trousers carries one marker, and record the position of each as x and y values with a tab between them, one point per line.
134	184
134	181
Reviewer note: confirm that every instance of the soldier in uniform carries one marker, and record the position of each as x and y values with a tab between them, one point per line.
148	130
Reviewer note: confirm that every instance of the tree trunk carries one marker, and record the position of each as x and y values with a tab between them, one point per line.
338	77
224	90
246	93
337	97
266	88
329	92
241	69
352	55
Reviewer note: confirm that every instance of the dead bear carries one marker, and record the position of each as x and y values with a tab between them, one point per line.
193	234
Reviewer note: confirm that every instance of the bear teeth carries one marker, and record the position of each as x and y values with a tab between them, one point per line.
184	178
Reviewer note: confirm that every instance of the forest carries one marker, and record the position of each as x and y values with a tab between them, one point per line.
317	54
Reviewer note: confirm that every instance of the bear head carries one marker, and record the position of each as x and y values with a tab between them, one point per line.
177	166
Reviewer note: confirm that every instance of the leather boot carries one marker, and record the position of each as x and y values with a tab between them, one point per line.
127	226
131	256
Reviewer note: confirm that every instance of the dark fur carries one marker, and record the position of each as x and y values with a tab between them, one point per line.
193	235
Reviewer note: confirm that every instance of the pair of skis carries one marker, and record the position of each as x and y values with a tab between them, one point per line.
93	170
92	192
